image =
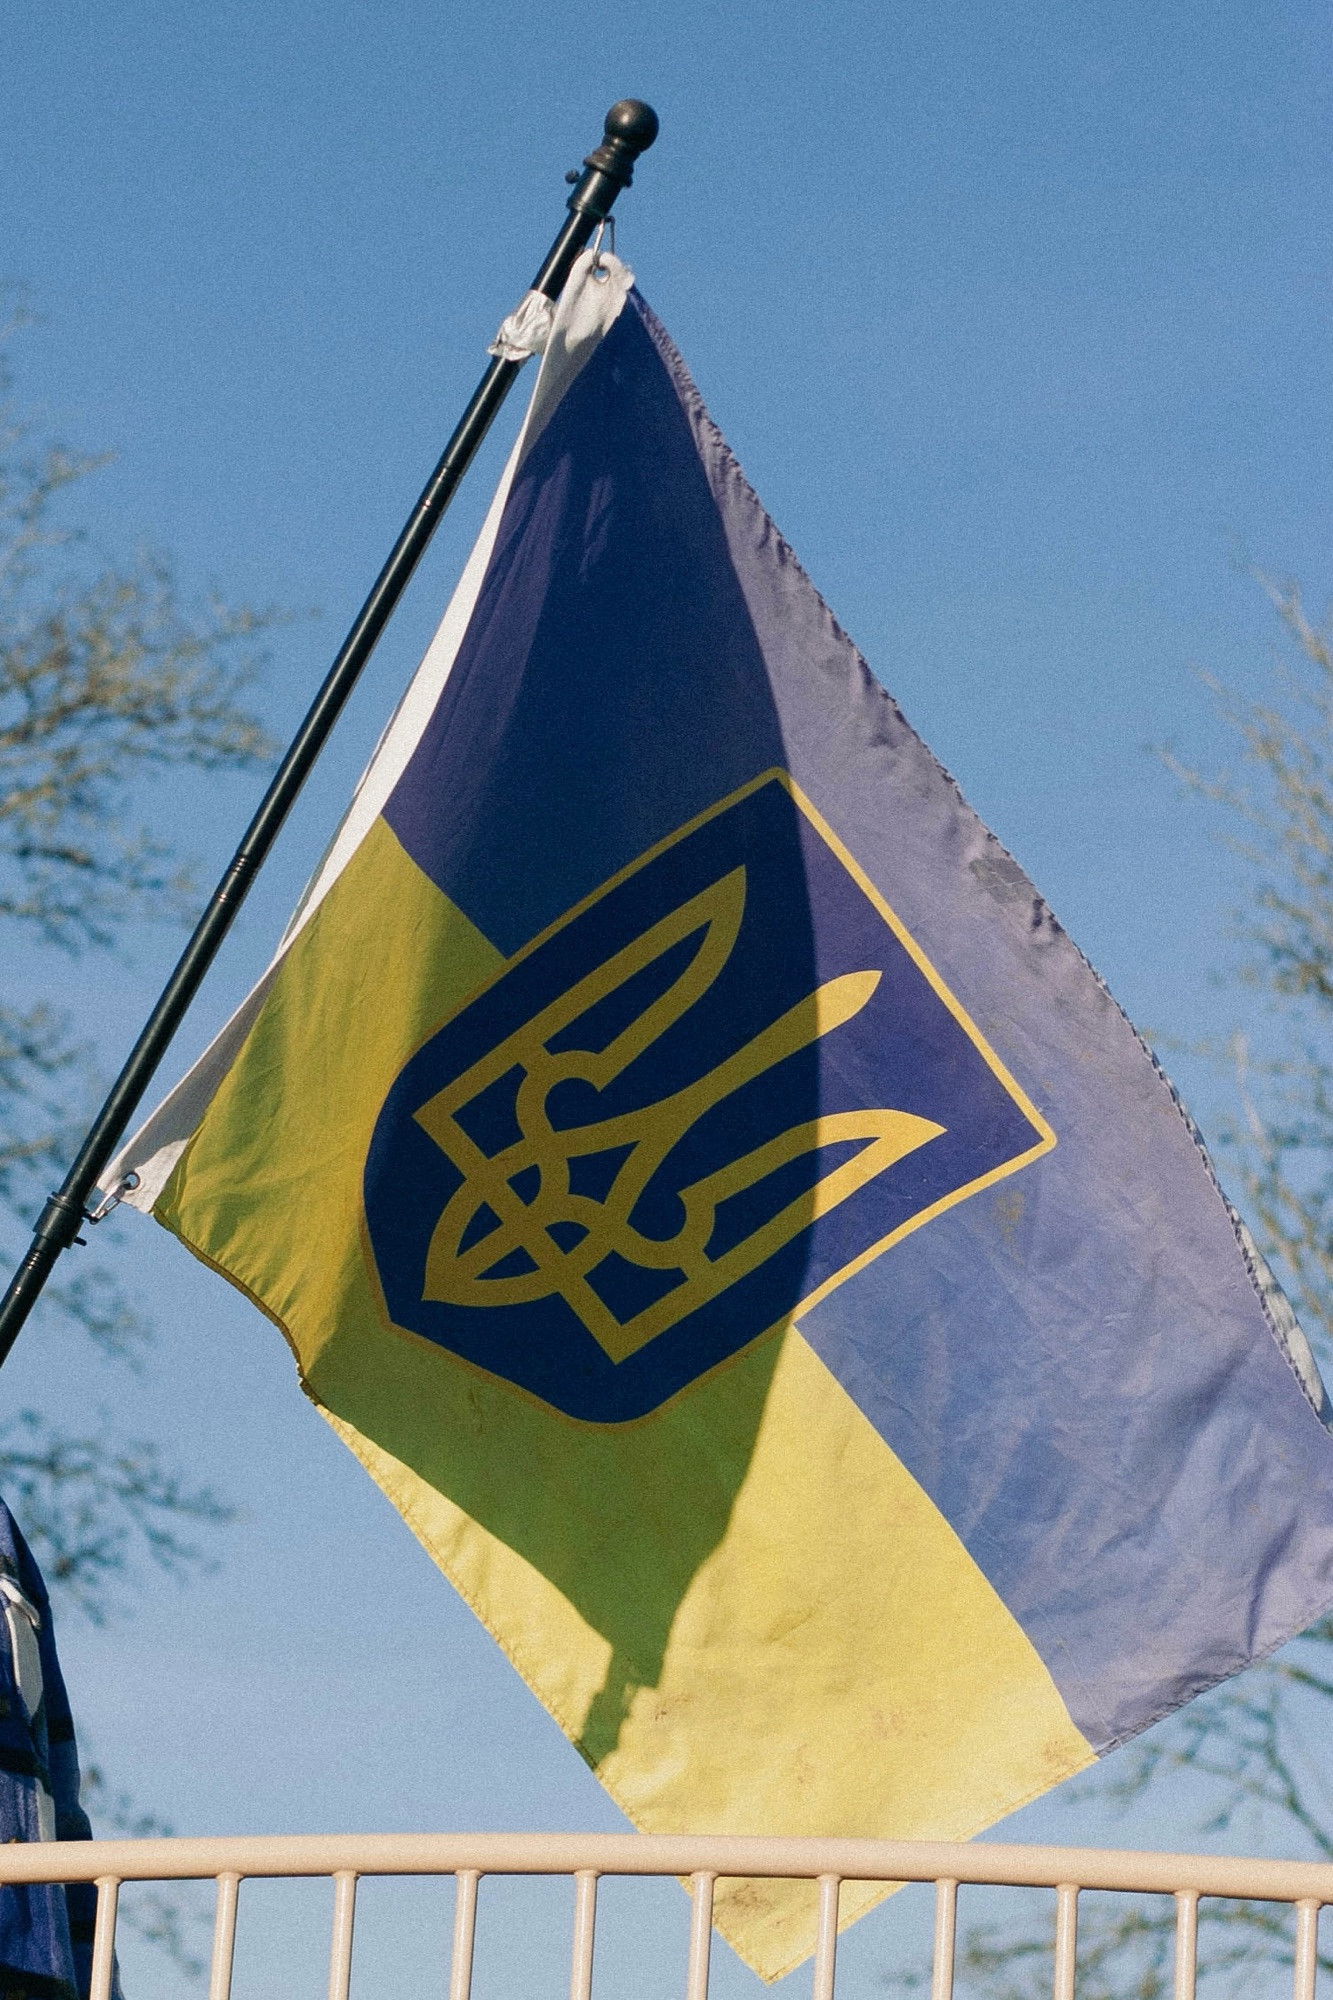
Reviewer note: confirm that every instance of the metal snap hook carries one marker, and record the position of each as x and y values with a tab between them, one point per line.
600	271
113	1198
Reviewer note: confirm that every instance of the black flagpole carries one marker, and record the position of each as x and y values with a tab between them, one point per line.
631	128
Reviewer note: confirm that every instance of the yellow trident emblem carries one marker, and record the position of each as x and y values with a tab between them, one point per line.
560	1237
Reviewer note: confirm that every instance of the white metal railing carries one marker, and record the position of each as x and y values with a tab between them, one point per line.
586	1858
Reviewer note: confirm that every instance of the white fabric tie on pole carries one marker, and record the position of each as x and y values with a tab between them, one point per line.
526	330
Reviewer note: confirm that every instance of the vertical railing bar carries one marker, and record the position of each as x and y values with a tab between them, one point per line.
585	1925
1187	1944
465	1933
344	1923
826	1951
1307	1949
701	1934
224	1937
104	1937
946	1934
1066	1940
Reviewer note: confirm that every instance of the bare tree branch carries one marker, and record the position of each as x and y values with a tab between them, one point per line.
91	1505
108	677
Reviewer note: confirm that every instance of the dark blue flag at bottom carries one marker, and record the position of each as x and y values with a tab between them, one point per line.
46	1929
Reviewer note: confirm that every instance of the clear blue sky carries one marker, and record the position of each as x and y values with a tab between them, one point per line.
1017	317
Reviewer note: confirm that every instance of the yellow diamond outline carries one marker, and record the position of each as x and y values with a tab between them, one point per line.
778	775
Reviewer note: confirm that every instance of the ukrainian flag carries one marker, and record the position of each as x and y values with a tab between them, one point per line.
700	1180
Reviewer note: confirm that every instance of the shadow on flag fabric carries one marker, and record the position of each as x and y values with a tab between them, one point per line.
46	1931
702	1182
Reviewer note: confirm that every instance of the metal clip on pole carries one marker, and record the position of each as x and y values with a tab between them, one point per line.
630	129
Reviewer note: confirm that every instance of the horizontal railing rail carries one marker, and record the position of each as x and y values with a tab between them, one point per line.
702	1861
996	1863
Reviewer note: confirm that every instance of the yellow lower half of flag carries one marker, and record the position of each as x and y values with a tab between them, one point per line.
742	1608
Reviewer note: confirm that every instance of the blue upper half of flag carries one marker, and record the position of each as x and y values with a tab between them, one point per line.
782	1030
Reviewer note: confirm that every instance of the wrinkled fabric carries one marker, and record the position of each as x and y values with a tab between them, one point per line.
46	1931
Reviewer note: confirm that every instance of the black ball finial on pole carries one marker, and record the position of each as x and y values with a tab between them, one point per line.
630	129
